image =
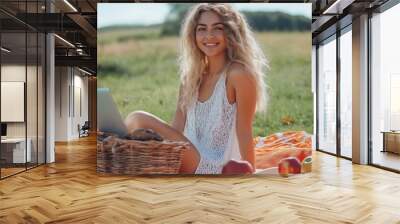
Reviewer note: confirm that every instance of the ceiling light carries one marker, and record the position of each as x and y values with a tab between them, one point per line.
79	51
331	8
5	50
86	72
64	40
337	7
70	5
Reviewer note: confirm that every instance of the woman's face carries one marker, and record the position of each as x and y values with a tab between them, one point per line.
210	34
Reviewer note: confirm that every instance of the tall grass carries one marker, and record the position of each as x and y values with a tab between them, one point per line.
142	72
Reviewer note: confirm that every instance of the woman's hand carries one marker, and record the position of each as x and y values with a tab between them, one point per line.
237	167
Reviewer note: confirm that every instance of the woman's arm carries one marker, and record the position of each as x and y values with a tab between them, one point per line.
246	99
180	116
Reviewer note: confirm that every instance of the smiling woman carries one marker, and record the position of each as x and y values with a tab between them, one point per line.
222	84
211	105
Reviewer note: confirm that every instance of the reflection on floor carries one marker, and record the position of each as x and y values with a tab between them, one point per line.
387	159
10	169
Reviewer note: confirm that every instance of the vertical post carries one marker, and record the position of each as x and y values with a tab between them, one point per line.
92	99
50	92
360	90
0	100
314	92
26	88
338	98
317	97
370	111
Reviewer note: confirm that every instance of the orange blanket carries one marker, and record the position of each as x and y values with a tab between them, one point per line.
271	150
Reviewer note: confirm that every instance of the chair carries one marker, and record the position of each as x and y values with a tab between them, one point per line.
84	130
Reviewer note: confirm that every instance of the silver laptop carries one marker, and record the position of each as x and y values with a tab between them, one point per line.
108	117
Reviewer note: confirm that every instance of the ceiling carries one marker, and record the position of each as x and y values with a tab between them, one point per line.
76	21
330	15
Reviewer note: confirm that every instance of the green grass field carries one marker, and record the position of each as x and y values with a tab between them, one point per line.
141	70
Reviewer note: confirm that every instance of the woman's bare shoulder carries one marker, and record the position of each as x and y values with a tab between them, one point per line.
236	68
239	75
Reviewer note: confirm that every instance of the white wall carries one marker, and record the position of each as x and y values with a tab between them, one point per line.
61	103
33	126
12	101
81	94
14	73
70	82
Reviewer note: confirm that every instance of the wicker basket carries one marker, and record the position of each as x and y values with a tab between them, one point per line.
121	156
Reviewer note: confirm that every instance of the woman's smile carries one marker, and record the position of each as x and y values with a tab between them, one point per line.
211	45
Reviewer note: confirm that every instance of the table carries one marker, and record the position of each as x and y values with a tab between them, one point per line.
391	141
16	148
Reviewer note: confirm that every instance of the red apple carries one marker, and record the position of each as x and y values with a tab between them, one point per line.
237	167
303	154
289	165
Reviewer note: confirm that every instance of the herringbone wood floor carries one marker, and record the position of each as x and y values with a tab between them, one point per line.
70	191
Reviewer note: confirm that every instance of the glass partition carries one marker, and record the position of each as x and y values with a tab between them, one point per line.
14	151
327	95
22	67
346	93
385	89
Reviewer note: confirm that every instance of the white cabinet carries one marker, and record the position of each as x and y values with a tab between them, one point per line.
17	146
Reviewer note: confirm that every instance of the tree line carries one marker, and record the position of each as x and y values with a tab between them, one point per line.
258	20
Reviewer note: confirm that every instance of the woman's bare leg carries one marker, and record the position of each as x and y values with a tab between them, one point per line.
141	119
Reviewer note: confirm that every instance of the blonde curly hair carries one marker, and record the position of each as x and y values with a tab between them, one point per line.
241	48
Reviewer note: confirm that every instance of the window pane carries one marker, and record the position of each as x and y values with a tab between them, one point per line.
31	97
386	88
346	94
327	96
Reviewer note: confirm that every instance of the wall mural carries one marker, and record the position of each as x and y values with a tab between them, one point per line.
204	89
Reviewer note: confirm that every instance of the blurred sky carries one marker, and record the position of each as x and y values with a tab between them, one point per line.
153	13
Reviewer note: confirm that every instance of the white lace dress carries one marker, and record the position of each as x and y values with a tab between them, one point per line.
211	127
